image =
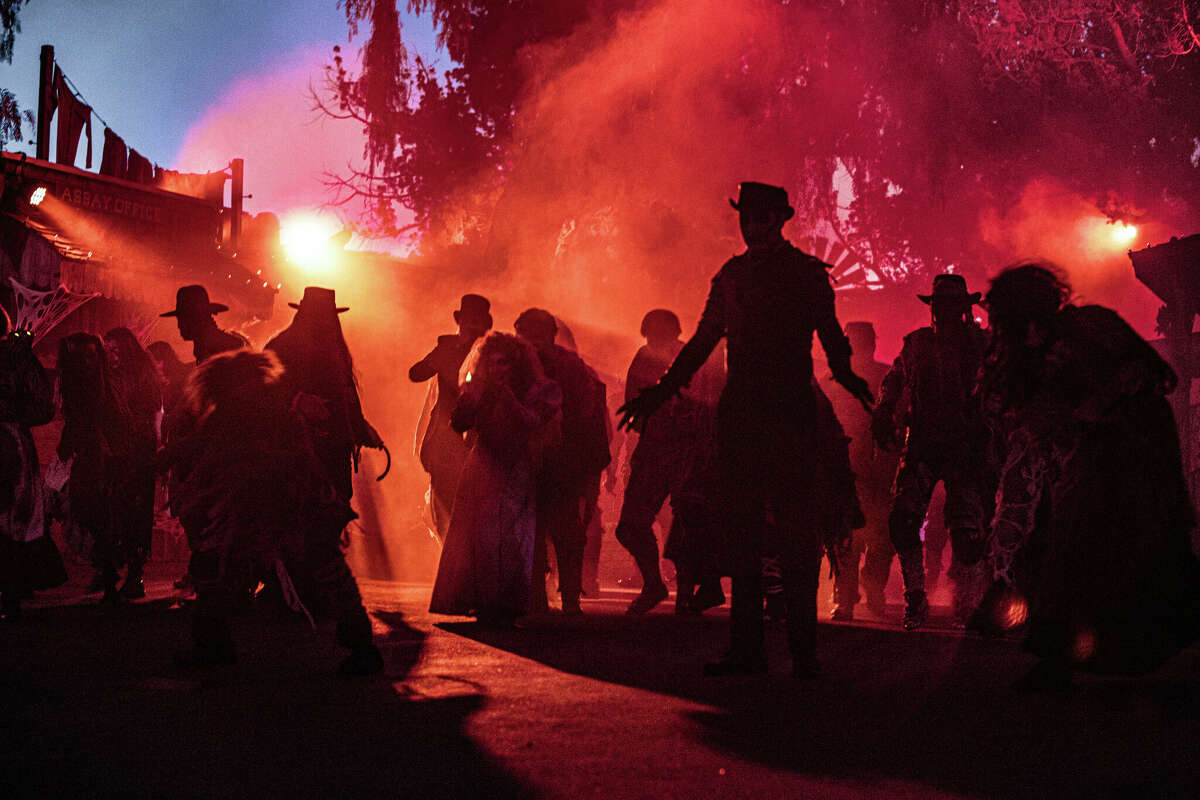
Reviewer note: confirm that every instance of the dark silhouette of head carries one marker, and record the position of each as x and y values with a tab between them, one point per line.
193	311
506	359
125	352
762	211
660	326
862	339
538	327
473	316
315	334
162	353
1025	296
83	376
950	303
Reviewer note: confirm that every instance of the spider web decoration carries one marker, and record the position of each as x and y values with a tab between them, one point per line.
848	271
38	312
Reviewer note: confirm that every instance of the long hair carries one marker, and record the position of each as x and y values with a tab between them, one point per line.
134	361
234	388
319	341
526	368
1021	296
83	377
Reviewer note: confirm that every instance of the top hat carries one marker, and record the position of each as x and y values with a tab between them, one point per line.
952	286
192	301
317	301
753	195
474	307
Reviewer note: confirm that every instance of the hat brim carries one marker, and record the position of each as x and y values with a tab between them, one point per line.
971	298
213	308
340	310
790	212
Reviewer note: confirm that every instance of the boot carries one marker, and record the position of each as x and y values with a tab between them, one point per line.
916	610
354	633
916	604
133	588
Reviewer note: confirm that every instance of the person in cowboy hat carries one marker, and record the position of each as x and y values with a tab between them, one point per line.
440	449
936	373
768	301
318	376
194	313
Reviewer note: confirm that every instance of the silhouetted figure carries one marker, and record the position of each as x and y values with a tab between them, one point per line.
29	560
510	413
440	448
874	470
1091	534
929	392
768	302
95	440
259	493
668	447
137	388
194	313
318	380
571	468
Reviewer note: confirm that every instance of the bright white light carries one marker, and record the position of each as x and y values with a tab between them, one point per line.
304	236
1123	234
39	194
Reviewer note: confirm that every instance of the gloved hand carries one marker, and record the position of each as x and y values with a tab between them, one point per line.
857	386
633	415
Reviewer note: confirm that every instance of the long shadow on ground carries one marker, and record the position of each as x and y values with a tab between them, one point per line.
928	707
90	709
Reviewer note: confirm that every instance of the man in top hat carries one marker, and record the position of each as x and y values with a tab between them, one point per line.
928	391
194	313
318	376
442	450
571	467
767	301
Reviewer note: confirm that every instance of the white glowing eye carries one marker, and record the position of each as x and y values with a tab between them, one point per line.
468	380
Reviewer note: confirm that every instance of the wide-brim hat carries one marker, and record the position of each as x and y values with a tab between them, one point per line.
474	307
762	196
191	301
953	287
317	300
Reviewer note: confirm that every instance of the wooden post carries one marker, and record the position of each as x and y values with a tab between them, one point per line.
237	167
46	104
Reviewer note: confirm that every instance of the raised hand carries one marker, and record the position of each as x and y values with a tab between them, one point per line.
633	415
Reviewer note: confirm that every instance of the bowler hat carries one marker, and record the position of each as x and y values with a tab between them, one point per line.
317	301
764	196
192	301
951	286
474	307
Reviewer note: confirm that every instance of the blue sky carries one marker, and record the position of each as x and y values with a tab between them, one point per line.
152	68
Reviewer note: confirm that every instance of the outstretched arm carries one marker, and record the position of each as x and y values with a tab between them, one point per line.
424	369
836	345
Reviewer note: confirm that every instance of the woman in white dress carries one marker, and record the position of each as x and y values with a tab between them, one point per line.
509	411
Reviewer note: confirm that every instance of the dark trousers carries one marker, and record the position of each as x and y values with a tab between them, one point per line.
766	463
964	510
560	521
